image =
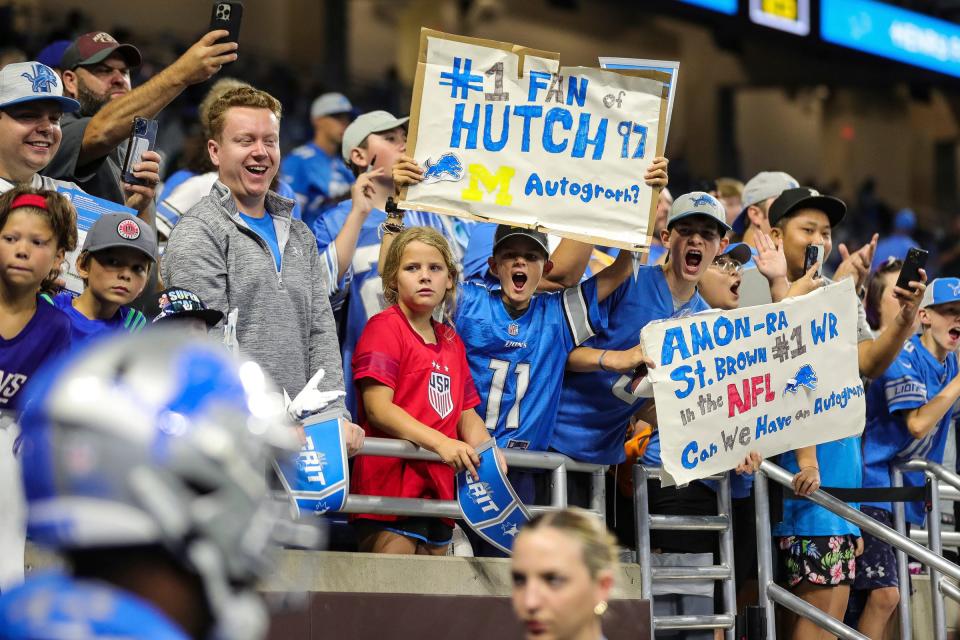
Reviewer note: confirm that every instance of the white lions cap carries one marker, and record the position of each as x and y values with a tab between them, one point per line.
697	203
372	122
330	104
22	82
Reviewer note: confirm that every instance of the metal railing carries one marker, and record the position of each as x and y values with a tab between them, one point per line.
771	593
721	523
939	586
557	464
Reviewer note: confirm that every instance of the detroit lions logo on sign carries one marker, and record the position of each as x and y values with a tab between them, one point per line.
805	377
43	80
439	394
448	168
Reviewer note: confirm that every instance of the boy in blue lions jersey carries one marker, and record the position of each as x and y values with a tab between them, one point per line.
909	409
597	403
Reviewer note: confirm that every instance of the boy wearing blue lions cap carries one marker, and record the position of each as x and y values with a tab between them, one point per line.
115	262
909	409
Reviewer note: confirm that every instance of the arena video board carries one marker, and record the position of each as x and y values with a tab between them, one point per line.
728	7
890	32
792	16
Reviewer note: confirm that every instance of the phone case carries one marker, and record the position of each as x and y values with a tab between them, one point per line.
142	138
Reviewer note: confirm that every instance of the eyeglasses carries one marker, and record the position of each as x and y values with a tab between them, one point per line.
727	266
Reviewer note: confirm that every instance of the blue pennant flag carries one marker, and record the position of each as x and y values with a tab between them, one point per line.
489	504
317	479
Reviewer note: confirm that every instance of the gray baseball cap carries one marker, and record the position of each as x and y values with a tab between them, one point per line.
372	122
764	185
697	203
330	104
121	230
22	82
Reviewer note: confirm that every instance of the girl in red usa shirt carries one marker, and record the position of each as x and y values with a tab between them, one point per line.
413	382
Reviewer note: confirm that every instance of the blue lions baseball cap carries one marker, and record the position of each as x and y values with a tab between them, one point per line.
941	291
22	82
697	203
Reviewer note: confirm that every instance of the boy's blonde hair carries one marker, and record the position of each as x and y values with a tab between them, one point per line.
599	545
59	214
243	96
430	237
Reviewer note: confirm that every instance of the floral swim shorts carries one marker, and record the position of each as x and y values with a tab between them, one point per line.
819	560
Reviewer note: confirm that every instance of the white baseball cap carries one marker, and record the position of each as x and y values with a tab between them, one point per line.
372	122
697	203
22	82
330	104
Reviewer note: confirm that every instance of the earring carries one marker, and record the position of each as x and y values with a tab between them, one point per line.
601	608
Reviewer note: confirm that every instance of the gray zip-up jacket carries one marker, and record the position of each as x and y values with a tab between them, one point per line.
285	323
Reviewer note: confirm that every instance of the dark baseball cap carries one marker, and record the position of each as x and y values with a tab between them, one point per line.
121	230
792	200
176	303
97	46
505	231
738	252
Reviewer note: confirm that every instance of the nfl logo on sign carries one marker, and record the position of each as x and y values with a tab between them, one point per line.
439	394
513	328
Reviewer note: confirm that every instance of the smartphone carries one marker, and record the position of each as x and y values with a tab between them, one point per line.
814	256
143	137
227	15
910	272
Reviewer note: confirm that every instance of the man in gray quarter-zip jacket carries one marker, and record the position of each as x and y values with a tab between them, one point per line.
239	248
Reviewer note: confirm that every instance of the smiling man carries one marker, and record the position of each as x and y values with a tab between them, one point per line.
239	248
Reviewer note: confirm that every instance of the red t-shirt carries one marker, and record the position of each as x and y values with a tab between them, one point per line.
431	382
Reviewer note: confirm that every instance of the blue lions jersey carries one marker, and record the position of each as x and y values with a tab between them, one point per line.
517	363
317	178
55	606
914	378
595	407
365	290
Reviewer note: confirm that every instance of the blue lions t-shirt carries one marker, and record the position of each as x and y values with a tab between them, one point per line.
517	364
316	178
913	379
83	328
595	407
45	336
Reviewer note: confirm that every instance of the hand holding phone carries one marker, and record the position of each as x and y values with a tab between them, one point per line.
814	256
143	137
910	272
227	16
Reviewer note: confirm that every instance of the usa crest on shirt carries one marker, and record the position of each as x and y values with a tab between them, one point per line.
439	394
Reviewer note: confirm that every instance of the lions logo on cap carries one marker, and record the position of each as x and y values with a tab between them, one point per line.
43	80
102	36
128	229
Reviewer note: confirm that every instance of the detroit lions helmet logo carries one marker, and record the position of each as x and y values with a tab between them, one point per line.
804	377
448	168
43	80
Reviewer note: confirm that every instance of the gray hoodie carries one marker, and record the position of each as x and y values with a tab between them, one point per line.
285	322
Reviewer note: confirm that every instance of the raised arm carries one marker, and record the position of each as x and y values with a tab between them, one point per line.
111	125
875	356
361	193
